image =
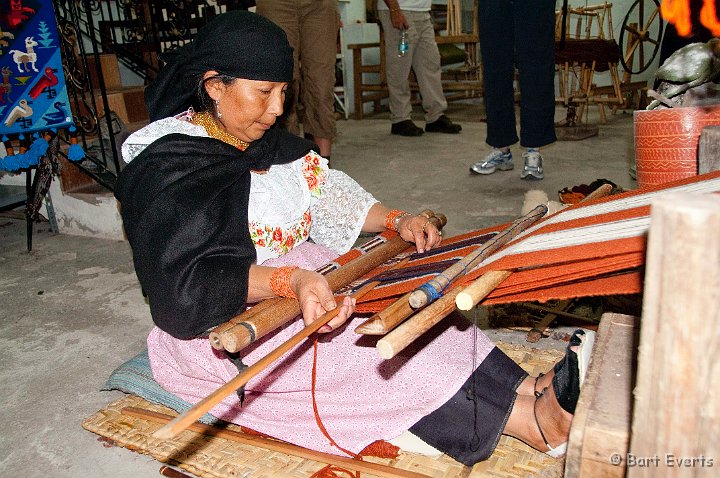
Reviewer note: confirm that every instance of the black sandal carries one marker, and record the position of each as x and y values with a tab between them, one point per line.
566	383
535	390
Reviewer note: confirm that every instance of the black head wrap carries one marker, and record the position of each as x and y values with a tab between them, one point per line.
238	43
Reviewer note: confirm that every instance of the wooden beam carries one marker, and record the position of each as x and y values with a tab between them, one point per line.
677	405
601	425
279	446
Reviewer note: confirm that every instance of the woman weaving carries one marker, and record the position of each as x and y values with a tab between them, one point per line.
223	209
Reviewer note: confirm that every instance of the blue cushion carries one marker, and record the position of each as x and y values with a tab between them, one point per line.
135	377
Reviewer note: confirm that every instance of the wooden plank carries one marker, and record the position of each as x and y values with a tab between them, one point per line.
72	179
601	425
709	149
677	407
358	465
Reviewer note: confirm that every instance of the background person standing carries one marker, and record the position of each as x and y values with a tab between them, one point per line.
522	33
312	29
413	16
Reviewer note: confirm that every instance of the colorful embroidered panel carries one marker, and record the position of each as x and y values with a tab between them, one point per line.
33	96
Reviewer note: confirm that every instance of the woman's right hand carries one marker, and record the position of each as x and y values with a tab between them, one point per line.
316	299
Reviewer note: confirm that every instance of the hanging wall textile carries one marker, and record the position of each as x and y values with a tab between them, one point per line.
34	102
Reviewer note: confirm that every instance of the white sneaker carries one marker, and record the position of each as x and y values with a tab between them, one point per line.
496	160
533	169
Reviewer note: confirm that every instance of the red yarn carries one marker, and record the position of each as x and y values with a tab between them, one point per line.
381	449
332	471
328	471
378	448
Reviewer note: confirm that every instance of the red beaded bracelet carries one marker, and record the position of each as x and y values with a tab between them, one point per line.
280	282
393	217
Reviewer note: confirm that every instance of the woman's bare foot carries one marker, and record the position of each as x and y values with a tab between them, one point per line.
539	421
544	407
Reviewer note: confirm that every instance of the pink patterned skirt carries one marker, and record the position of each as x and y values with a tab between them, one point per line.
361	397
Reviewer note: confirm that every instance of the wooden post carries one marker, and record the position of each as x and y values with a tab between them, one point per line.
676	422
600	431
709	149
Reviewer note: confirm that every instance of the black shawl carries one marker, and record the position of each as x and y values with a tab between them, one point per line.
184	203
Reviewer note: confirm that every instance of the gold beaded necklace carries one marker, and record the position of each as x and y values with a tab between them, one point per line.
207	121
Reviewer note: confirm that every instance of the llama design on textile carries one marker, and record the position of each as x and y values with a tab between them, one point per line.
24	58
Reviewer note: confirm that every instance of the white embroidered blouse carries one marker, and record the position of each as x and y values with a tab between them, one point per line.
290	203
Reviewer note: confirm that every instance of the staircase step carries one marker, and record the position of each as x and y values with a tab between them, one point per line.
110	68
93	189
128	102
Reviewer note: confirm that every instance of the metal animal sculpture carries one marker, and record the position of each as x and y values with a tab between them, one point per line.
24	58
689	67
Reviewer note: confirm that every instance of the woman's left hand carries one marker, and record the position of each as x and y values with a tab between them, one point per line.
420	230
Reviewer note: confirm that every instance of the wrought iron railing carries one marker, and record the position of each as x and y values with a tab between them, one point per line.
135	32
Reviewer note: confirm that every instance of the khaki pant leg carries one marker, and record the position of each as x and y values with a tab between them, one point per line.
285	14
320	22
426	65
397	70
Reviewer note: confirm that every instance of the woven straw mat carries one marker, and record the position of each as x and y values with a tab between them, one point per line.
214	457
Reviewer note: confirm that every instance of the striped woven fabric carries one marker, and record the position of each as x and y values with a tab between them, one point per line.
589	249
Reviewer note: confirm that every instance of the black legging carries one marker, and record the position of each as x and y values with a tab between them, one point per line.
468	426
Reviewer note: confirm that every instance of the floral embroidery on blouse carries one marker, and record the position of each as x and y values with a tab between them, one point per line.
313	174
281	239
278	239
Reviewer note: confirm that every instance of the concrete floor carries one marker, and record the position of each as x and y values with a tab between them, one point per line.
71	311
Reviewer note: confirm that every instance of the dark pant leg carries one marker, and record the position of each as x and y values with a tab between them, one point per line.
535	52
495	22
468	426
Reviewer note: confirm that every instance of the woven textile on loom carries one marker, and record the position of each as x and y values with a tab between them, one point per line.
590	249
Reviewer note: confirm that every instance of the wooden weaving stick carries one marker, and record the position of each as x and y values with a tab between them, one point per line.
463	299
279	446
250	326
386	320
184	420
396	341
423	295
478	290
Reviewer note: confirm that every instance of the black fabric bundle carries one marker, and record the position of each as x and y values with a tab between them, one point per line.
184	206
184	200
237	43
